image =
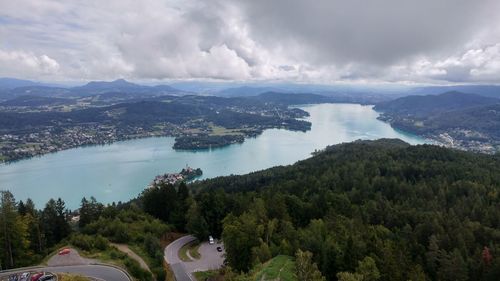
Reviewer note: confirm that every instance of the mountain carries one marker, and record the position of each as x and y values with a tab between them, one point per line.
99	87
120	86
123	86
37	101
292	99
433	104
246	91
11	83
167	89
492	91
42	91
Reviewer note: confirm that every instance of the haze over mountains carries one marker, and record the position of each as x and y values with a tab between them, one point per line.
432	104
11	88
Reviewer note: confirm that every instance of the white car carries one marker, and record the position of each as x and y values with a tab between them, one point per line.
24	276
211	240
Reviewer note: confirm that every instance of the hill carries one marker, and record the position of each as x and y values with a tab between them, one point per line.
11	83
34	101
292	99
246	91
92	88
492	91
464	121
418	212
433	104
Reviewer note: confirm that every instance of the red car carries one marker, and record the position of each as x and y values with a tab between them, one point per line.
36	276
64	251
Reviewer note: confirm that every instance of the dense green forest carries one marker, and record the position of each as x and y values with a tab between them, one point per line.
367	210
420	212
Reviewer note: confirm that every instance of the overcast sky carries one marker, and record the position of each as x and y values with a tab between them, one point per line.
321	41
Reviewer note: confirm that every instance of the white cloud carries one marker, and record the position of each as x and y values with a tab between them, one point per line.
320	41
27	63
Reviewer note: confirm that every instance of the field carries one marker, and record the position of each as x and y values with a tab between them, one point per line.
221	131
279	268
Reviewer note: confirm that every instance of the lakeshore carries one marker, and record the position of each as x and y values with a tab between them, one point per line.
120	171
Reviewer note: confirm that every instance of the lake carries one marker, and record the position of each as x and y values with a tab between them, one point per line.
120	171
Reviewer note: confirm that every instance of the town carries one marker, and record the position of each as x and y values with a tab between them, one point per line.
187	174
204	122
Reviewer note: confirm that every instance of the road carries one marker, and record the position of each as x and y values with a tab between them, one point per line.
102	272
172	258
183	271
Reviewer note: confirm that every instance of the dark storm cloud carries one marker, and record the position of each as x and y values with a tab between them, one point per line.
380	32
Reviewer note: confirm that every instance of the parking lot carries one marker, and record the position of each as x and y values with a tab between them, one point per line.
29	276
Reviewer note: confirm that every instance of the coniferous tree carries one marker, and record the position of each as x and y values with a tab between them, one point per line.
13	235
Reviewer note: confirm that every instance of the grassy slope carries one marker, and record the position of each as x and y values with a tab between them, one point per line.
279	268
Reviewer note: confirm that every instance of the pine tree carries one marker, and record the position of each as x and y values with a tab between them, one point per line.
13	234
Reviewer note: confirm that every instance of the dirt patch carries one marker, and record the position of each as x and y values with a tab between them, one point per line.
125	249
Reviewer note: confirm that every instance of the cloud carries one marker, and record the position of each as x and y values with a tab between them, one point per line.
27	63
297	40
359	31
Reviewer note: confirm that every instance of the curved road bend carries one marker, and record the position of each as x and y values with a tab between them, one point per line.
210	258
172	258
103	272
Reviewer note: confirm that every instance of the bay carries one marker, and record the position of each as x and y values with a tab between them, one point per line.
120	171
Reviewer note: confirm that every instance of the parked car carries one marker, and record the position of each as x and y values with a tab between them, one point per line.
219	249
24	277
13	277
211	240
47	277
36	276
64	252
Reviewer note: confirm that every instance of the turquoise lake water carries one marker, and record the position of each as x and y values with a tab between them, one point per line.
120	171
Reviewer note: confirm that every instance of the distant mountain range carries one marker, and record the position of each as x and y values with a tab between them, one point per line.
432	104
34	101
13	88
483	90
11	83
293	99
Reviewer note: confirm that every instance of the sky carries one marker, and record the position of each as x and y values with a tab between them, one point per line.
321	41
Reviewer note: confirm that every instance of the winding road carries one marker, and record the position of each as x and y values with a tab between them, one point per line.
102	272
183	271
72	262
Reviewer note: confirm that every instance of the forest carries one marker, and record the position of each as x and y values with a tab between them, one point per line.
367	210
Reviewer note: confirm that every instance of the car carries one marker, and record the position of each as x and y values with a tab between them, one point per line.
36	276
24	277
211	240
47	277
13	277
219	249
64	251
